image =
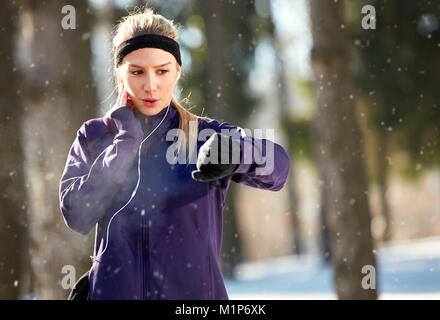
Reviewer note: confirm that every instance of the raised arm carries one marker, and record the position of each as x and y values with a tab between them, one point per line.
268	167
261	163
88	185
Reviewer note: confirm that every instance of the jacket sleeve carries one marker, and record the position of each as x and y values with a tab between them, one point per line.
264	164
87	185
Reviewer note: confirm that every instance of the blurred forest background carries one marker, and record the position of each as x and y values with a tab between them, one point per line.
357	109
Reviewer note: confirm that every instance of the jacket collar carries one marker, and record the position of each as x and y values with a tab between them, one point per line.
150	122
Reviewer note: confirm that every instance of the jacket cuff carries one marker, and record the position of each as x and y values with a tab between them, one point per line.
246	158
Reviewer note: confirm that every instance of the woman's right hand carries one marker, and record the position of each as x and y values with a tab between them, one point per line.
124	98
124	118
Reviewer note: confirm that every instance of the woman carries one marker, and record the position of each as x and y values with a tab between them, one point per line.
158	221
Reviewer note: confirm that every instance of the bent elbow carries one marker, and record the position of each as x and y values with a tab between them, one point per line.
77	226
74	221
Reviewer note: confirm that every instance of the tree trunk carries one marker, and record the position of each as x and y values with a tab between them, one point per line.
14	262
325	203
340	146
215	71
288	128
59	96
382	174
231	252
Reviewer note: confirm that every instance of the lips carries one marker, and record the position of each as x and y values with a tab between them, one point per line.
150	102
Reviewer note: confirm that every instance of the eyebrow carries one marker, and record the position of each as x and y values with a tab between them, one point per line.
136	66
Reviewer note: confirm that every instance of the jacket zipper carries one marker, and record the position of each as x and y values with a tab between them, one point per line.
143	239
147	268
143	258
145	244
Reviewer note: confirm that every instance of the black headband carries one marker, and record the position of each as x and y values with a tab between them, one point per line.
148	41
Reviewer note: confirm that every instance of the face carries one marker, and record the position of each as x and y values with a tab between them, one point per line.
149	73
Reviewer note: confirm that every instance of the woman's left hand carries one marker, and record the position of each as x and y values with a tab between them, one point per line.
212	150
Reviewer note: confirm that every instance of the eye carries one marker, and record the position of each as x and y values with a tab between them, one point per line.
162	71
134	72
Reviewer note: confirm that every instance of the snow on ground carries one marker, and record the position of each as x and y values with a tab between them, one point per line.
406	270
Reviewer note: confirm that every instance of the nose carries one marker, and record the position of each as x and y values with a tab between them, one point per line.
150	82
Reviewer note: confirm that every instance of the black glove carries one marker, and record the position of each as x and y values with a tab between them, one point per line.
215	145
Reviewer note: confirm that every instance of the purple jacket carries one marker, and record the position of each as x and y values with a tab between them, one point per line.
165	242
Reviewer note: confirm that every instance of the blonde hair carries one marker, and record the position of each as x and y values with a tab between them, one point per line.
145	21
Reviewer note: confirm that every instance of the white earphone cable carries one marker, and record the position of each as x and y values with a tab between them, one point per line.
135	189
